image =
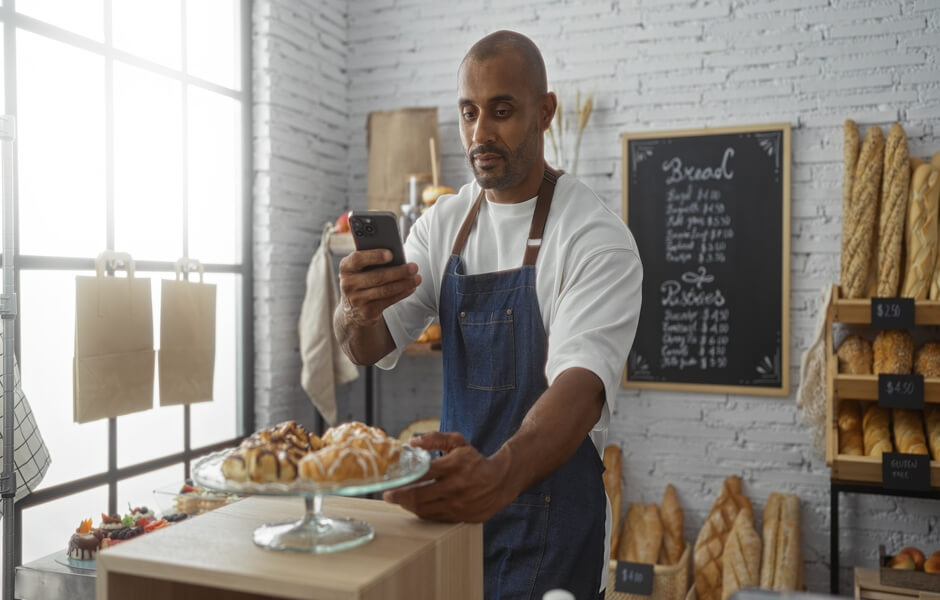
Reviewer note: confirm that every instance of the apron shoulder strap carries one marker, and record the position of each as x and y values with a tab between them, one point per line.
464	232
537	228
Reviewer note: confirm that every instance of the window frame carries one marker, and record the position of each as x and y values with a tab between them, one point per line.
12	22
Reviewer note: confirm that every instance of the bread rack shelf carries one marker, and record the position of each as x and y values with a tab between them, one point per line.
862	474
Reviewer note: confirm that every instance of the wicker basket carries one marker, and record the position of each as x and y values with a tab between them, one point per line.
670	582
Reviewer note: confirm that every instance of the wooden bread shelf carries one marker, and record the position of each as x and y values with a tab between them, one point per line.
422	348
926	312
865	387
868	586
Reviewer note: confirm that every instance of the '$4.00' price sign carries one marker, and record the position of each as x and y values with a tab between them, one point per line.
634	578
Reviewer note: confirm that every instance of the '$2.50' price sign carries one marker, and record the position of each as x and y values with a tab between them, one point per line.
892	313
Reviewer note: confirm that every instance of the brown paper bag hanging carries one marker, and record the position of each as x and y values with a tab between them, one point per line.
114	357
398	146
187	337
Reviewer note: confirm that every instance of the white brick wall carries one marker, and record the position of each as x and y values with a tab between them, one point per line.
323	66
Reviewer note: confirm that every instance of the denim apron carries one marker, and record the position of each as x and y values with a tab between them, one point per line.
494	353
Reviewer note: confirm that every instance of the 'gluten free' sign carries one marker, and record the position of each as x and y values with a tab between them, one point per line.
905	471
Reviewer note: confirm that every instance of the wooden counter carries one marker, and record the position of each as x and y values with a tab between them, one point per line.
212	556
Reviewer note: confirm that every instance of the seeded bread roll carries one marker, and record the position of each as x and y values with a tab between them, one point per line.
891	219
849	161
855	356
894	352
863	214
921	232
927	360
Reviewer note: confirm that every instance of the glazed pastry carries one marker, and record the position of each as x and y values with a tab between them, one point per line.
894	352
855	356
341	462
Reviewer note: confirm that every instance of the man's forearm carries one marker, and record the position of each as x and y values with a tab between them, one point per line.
553	428
364	345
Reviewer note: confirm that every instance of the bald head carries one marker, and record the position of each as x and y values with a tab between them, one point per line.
504	42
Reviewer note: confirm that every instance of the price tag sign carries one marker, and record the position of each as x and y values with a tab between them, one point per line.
634	578
892	313
901	391
905	471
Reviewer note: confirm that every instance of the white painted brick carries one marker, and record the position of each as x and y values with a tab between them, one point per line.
831	49
884	59
698	12
926	5
750	58
931	111
879	28
778	6
863	12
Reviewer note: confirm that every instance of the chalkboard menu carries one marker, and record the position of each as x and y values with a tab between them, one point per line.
710	211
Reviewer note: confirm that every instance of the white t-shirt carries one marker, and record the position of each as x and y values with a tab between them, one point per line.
588	280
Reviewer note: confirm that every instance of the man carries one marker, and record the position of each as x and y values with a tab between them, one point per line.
537	288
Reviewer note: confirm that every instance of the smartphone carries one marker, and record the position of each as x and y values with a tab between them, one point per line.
373	229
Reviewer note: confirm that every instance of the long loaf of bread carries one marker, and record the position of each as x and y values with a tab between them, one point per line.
613	459
741	557
781	563
932	418
710	543
891	219
908	426
849	160
631	524
647	540
921	232
863	210
673	519
876	430
850	429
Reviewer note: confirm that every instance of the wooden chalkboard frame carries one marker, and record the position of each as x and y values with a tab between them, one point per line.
784	388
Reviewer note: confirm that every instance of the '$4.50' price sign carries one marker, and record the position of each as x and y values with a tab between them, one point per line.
634	578
901	391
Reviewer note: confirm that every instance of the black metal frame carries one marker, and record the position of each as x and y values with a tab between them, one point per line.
245	339
851	487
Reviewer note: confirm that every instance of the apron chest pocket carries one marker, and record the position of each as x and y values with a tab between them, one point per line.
490	348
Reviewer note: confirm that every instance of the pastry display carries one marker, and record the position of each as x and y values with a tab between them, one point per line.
270	455
849	422
855	356
710	543
192	499
741	557
781	562
893	352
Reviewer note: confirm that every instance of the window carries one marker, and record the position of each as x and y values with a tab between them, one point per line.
133	134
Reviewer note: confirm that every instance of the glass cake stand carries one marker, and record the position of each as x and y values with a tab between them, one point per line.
315	532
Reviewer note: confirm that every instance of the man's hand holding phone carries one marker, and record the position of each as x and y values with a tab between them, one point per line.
376	275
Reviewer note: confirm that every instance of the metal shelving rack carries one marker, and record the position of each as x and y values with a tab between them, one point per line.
8	314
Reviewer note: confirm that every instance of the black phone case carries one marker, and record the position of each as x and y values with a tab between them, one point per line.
377	229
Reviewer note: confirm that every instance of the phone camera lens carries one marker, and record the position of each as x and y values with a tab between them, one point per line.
358	233
370	229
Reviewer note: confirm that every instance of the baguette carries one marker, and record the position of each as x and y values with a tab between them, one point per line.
921	232
710	543
672	516
935	161
849	161
932	419
891	218
876	431
742	556
631	524
850	428
908	426
647	539
613	459
863	211
780	562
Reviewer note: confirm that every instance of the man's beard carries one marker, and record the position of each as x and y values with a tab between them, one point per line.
516	164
